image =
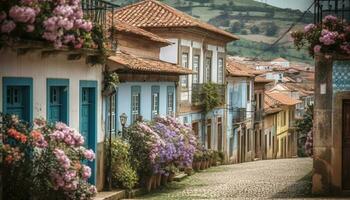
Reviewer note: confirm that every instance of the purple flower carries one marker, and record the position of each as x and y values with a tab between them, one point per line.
328	37
330	18
22	14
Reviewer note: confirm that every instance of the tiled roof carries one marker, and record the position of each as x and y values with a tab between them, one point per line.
155	14
282	99
127	28
136	64
259	79
235	69
270	105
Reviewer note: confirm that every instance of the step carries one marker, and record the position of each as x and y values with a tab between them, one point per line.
111	195
180	176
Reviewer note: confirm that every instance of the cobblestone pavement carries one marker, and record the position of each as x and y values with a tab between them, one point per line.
280	179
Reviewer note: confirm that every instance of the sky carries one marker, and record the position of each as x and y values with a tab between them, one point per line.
294	4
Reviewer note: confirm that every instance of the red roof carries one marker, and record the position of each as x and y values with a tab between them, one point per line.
155	14
236	69
282	99
132	63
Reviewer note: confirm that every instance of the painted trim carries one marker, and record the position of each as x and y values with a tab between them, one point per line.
61	83
135	88
170	89
93	137
155	89
18	81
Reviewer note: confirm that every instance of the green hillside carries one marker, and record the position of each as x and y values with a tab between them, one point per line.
257	24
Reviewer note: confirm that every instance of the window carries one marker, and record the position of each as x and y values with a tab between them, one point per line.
284	118
208	69
260	101
170	100
111	114
18	97
248	92
270	142
195	67
248	138
57	100
155	101
184	79
221	70
135	103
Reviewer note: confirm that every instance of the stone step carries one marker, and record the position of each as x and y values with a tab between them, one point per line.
111	195
180	176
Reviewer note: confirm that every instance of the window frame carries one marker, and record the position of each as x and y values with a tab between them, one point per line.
170	90
185	65
135	89
197	75
220	73
155	107
62	84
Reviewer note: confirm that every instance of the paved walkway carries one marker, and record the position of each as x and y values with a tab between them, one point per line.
281	179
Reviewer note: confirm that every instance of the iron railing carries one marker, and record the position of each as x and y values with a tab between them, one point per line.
239	115
197	93
101	13
339	8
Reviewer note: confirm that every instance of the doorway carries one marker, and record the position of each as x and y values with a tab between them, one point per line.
346	146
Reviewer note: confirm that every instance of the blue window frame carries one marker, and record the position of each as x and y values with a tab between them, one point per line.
170	100
88	118
18	97
135	103
57	100
155	101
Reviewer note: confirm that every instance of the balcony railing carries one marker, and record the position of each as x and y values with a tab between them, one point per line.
258	115
100	12
339	8
239	115
197	93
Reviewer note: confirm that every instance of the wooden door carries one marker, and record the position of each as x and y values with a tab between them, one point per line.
346	146
195	128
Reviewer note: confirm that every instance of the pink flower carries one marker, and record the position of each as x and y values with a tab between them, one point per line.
89	154
309	27
69	39
8	26
22	14
328	37
330	18
30	28
86	172
317	48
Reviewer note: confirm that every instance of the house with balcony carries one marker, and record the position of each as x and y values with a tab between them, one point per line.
240	116
285	132
195	45
147	84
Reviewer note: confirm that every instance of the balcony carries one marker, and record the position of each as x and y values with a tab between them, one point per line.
339	8
258	115
239	115
198	93
99	12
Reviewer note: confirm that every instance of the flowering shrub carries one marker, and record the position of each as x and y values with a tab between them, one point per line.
57	21
161	146
332	35
309	144
45	160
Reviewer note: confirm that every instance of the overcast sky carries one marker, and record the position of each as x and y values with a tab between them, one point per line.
294	4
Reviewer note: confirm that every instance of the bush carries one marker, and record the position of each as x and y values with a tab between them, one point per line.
236	27
271	29
44	161
255	29
244	32
123	175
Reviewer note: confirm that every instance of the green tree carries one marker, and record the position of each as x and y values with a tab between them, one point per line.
255	29
244	32
236	27
271	29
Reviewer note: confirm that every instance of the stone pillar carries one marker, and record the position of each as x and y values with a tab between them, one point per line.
322	135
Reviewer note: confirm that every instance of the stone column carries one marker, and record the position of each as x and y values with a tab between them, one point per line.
322	135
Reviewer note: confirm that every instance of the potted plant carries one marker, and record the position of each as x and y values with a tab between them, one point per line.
110	83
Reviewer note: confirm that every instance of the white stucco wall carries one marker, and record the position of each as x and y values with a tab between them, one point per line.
54	66
169	53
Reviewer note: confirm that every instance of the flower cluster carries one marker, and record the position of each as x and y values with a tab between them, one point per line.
65	134
309	144
168	144
48	157
332	35
57	21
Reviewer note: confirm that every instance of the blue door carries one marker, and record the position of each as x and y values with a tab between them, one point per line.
17	100
55	114
88	119
86	114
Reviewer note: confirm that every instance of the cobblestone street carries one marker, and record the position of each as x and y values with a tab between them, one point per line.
284	178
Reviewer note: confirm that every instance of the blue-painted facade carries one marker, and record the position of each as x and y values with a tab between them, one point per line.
147	90
57	100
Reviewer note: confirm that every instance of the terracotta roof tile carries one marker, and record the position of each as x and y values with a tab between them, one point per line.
282	99
127	28
259	79
136	64
152	13
235	69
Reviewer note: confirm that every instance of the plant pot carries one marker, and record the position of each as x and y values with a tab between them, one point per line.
171	177
149	183
154	182
159	179
202	165
197	165
164	179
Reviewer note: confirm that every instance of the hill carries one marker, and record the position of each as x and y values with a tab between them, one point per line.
257	24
